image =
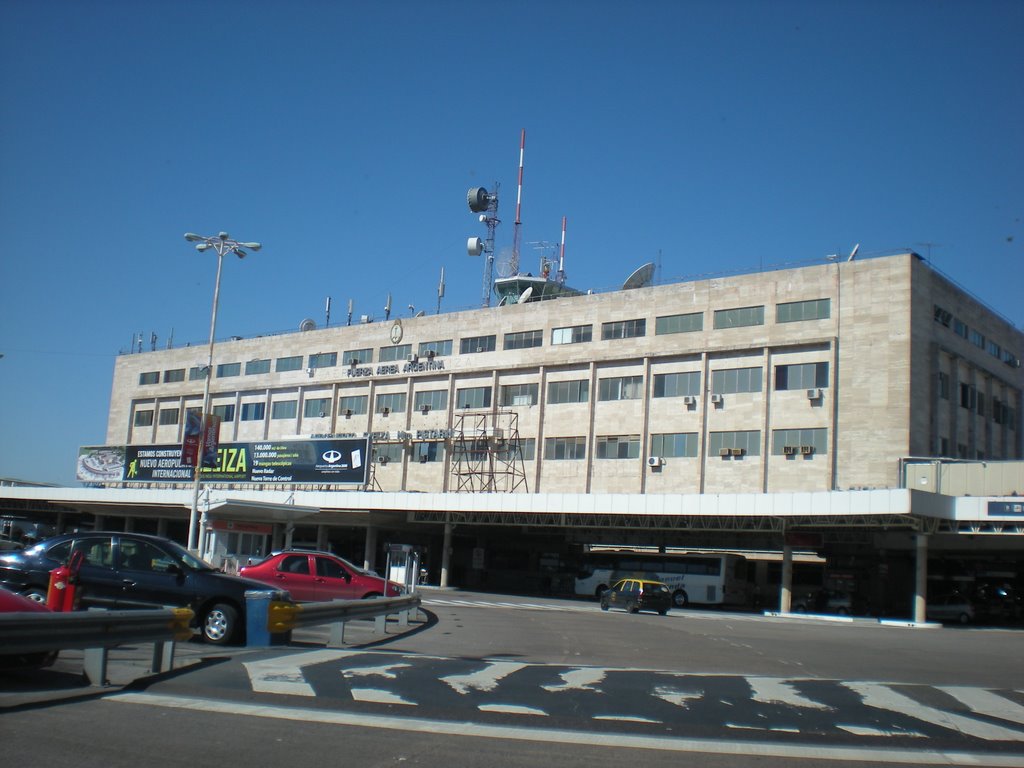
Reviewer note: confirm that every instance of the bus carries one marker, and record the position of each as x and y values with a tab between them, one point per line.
699	578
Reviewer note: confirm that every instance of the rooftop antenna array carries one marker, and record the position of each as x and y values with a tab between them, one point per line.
440	291
486	204
518	224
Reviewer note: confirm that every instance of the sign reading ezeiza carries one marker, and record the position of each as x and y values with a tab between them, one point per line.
269	461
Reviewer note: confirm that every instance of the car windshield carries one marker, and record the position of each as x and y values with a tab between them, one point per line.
182	554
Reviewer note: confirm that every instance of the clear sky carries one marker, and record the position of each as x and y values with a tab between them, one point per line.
720	136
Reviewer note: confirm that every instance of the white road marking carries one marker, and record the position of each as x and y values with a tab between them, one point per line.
627	719
986	702
284	673
384	670
676	696
863	730
485	679
882	697
377	696
512	709
774	690
579	679
816	752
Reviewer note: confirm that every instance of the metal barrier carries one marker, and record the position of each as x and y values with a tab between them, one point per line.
284	616
97	631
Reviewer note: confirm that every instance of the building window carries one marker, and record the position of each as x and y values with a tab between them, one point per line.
473	397
524	339
197	372
677	384
225	412
385	453
316	407
396	352
519	394
618	447
254	367
943	316
739	318
254	411
439	348
981	404
565	448
800	376
745	442
151	377
995	350
390	402
944	446
795	311
168	416
624	329
688	323
144	418
358	356
432	400
977	339
576	391
620	388
736	380
674	445
1011	359
573	334
944	385
960	328
173	375
477	344
428	451
968	397
227	370
351	405
527	450
323	360
284	409
289	364
793	441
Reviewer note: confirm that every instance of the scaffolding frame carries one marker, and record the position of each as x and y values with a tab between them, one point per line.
487	455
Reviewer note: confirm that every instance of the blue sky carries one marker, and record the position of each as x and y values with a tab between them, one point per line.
344	135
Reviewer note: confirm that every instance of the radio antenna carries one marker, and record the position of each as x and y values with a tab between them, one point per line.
517	226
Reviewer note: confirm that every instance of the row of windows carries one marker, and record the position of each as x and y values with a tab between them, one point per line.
787	377
973	400
946	318
621	329
785	442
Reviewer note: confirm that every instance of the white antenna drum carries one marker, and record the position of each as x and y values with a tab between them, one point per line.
309	324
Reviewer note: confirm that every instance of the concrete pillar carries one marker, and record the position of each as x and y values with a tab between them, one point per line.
370	549
921	578
321	538
99	522
289	532
786	588
161	527
446	554
129	524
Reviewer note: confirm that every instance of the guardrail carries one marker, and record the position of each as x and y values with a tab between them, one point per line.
284	616
96	632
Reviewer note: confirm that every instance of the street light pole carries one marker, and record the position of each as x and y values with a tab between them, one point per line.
221	244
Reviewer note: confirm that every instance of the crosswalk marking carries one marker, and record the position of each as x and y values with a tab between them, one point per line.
986	703
485	679
284	674
377	696
771	690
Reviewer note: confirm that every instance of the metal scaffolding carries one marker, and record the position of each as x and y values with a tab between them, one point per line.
487	456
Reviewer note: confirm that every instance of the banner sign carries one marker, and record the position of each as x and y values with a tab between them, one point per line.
270	461
210	433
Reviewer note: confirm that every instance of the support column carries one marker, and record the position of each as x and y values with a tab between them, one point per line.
370	549
161	527
321	538
446	554
289	532
786	588
921	578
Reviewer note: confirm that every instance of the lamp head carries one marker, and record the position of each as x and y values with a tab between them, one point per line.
223	235
239	253
192	237
252	246
202	247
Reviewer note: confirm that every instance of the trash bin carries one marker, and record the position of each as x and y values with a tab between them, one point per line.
258	604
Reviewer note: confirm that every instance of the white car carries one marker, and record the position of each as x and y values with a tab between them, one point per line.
951	608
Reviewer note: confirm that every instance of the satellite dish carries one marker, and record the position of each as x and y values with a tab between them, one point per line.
475	246
421	313
478	199
525	295
307	325
640	278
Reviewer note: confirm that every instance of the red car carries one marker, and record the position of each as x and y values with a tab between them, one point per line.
11	602
318	577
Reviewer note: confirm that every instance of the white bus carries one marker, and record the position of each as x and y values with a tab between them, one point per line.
699	578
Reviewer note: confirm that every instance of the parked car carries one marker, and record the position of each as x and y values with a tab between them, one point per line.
954	607
318	576
634	595
11	602
134	570
830	601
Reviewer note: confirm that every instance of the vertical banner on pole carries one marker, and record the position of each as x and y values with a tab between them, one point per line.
211	440
190	440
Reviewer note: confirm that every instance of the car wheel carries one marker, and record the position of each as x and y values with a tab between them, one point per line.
604	605
220	624
631	607
963	618
680	599
663	612
36	594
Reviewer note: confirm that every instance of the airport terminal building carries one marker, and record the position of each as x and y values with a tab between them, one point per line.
869	409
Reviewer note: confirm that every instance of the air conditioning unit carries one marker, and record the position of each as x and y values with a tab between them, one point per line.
737	451
423	459
806	450
814	394
430	354
425	409
322	414
348	413
689	400
382	459
716	399
412	359
655	461
724	452
353	363
789	450
385	411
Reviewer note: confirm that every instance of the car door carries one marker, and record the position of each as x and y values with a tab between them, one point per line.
294	574
96	582
149	576
334	580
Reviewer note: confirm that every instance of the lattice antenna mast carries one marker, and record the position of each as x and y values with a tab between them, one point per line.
486	204
517	226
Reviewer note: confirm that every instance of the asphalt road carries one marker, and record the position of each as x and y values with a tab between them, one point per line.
497	681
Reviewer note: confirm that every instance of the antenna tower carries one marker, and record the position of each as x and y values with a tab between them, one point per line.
517	226
487	455
486	204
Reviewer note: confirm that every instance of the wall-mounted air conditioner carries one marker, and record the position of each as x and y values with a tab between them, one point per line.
385	411
724	452
412	359
806	450
689	400
348	413
737	451
789	450
716	399
655	461
814	394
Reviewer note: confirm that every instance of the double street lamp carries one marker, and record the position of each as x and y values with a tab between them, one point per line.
221	244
